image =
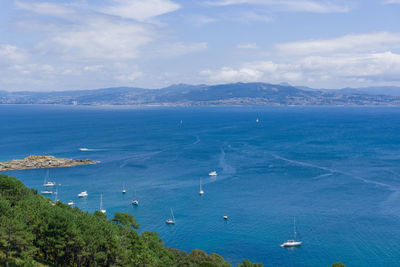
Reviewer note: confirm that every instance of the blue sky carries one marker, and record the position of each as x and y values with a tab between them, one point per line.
87	44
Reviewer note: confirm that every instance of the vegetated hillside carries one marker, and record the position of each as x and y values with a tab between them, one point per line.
37	232
244	94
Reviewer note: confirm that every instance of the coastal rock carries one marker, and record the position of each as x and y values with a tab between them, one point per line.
38	162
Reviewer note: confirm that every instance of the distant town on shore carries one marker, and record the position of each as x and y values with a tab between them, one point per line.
234	94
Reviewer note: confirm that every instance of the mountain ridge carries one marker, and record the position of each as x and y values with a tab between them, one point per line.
256	93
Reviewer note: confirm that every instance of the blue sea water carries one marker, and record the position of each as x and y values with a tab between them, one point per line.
335	169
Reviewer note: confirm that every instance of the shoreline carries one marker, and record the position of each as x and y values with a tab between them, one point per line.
42	162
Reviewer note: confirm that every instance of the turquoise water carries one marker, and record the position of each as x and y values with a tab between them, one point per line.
336	169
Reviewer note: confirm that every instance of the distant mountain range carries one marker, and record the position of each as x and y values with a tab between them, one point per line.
211	95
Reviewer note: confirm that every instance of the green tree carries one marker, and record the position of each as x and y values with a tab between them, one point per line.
247	263
15	238
125	219
338	264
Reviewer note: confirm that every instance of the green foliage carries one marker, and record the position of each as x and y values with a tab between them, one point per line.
247	263
338	264
33	231
125	219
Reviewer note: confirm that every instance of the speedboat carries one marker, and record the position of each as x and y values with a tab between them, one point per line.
291	243
71	203
135	202
213	173
83	194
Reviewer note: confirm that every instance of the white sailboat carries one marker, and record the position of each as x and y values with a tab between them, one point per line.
123	189
48	183
101	204
213	173
171	220
83	194
201	192
135	201
293	242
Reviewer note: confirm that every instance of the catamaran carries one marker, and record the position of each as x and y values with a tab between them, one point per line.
201	192
292	243
48	183
213	173
101	205
83	194
171	221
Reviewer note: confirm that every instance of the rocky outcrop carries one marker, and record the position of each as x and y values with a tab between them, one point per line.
38	162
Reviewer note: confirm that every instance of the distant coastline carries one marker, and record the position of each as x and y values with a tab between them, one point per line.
235	94
41	162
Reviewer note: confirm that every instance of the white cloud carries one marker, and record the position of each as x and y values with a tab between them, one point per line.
46	8
357	60
392	1
343	44
247	46
176	49
100	39
11	53
140	10
129	77
290	5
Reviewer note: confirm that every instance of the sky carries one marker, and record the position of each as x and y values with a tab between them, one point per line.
88	44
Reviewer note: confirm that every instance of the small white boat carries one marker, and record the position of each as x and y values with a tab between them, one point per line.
71	203
293	242
135	201
257	120
213	173
48	183
46	192
84	149
171	220
83	194
123	189
225	217
201	192
101	205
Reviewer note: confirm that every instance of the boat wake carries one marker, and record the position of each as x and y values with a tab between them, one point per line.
332	171
90	149
226	168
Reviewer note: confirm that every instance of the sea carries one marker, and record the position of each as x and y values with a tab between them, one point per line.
335	170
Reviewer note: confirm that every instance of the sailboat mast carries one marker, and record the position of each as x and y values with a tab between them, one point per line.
294	228
101	201
172	213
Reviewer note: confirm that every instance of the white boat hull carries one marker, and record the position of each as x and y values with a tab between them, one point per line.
291	244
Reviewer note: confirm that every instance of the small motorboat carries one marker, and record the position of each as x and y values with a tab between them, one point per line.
83	194
213	173
135	202
225	217
71	203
